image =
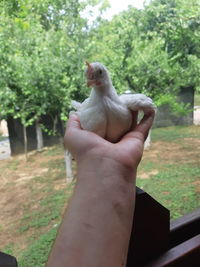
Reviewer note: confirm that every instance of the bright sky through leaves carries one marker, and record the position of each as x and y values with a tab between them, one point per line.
118	6
115	8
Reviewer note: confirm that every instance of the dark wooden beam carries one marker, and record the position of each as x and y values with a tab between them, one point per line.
150	231
7	260
184	228
186	254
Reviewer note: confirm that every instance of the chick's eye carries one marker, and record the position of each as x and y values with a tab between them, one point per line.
100	72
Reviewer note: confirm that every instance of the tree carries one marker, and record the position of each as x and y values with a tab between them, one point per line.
40	63
43	50
44	44
154	51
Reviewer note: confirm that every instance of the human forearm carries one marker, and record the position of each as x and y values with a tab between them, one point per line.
96	228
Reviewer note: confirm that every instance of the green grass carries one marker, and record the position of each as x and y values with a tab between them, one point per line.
172	175
48	213
13	165
37	252
49	208
172	181
9	249
42	212
175	133
54	151
174	187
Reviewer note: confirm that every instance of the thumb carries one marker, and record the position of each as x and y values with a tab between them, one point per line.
142	129
145	124
73	122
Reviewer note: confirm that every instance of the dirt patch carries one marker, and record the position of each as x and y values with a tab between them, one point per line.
12	204
197	186
162	152
145	175
172	152
18	186
165	193
23	177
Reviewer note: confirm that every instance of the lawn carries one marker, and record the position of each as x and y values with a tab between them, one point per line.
35	194
170	170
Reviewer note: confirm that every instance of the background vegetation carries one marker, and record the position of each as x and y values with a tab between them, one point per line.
43	46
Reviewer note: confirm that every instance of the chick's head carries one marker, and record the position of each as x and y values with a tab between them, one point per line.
97	75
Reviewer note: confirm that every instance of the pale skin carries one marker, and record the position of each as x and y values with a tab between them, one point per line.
96	226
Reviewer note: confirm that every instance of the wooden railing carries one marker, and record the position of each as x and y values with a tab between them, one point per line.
157	242
7	260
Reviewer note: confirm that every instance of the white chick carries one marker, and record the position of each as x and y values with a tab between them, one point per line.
104	112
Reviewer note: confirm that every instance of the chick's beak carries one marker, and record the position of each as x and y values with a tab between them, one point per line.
89	70
90	81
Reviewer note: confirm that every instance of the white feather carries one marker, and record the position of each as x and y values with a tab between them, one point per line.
104	112
137	102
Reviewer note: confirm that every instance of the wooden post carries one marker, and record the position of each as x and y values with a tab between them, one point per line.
157	242
68	166
25	143
7	260
150	231
39	136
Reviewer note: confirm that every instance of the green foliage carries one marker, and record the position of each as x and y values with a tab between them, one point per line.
41	58
176	107
197	99
154	51
44	43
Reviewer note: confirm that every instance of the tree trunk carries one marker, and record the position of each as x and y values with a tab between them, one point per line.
68	165
55	124
39	136
25	143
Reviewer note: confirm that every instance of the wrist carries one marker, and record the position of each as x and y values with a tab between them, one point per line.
104	167
106	179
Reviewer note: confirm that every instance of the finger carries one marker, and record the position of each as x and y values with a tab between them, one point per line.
145	124
134	119
142	129
73	124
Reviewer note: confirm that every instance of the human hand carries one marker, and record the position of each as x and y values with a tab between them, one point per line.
127	152
97	224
